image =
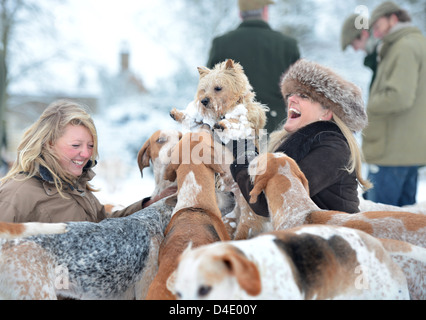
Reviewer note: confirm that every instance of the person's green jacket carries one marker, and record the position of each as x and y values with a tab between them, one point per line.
396	133
265	55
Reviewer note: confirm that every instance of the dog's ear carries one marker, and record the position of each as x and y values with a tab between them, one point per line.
229	64
203	71
244	270
144	155
170	173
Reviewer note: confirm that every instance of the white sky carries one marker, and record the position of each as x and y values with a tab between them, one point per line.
100	27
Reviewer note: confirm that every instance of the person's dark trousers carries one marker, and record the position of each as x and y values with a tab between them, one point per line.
393	185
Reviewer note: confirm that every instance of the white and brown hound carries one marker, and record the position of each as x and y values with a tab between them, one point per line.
309	262
196	216
287	191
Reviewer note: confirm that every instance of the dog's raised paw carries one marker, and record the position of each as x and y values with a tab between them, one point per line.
177	115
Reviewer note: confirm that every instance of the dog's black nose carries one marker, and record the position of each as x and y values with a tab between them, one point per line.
205	101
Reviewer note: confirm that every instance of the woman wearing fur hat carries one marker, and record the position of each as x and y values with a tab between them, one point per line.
323	113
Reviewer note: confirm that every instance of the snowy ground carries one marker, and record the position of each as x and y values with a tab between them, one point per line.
122	133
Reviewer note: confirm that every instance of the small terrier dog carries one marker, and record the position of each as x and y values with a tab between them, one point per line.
225	101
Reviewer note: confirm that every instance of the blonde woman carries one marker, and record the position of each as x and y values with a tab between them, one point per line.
49	181
323	113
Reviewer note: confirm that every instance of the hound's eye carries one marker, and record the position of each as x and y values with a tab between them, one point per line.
161	140
204	290
218	89
178	295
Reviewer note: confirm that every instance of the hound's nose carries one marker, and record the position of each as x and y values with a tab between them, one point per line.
205	101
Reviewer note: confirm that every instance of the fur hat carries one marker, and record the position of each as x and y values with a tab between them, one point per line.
324	86
251	5
386	8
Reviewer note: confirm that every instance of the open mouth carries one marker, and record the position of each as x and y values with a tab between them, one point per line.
79	163
293	113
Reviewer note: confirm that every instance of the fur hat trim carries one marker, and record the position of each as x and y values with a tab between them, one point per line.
326	87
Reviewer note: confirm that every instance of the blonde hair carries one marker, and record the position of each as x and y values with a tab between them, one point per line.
36	147
355	162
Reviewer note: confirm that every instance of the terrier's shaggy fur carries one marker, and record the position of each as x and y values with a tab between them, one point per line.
224	100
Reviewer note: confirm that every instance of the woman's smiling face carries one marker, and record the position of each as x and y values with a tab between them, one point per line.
74	149
303	111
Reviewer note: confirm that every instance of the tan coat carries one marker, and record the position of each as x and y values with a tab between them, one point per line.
397	106
37	200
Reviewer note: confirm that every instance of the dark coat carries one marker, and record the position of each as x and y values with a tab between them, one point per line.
322	153
265	55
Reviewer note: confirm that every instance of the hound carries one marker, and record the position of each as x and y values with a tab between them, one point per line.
112	259
196	217
157	150
309	262
287	191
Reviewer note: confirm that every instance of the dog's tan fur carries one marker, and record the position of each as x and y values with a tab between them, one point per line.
157	150
220	92
20	230
287	191
286	188
196	218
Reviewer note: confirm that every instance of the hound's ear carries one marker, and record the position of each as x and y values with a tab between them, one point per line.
144	155
203	71
170	173
229	64
244	270
171	280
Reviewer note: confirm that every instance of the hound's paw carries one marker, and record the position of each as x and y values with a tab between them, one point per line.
262	169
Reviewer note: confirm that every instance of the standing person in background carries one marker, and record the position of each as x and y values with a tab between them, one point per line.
393	142
360	39
264	54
